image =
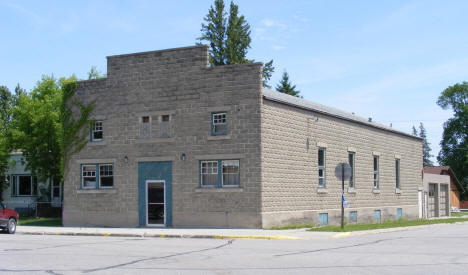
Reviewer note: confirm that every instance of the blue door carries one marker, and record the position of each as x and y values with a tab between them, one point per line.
150	173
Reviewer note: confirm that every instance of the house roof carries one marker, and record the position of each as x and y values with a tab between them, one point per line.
438	170
319	108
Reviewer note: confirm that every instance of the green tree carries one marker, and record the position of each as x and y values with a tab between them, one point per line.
6	100
229	38
285	86
415	132
44	128
426	146
95	74
454	144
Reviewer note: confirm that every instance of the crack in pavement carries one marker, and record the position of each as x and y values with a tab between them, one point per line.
62	245
229	242
339	247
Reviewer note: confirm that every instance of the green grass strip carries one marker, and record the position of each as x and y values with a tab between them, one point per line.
292	226
31	221
385	224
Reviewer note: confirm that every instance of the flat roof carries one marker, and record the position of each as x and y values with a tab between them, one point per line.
326	110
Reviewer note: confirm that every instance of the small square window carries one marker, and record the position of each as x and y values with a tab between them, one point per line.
165	118
323	218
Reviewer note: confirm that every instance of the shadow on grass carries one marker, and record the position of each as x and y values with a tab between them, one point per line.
31	221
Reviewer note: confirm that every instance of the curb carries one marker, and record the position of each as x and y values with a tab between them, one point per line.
149	235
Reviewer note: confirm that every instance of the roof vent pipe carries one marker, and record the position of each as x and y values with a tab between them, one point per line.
370	119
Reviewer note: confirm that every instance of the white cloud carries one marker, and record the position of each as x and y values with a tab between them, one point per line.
278	47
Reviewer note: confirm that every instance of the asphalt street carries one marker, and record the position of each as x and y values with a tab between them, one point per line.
430	250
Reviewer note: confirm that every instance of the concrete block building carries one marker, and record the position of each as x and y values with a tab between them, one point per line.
179	143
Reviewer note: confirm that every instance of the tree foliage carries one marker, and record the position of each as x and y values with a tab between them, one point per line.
43	126
454	144
229	38
426	147
6	101
285	86
95	74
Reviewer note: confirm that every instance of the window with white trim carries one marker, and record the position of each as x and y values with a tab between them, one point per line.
219	173
23	185
219	124
230	172
321	168
209	173
106	176
95	176
376	172
97	133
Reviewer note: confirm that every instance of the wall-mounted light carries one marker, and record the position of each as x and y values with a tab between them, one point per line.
126	159
183	156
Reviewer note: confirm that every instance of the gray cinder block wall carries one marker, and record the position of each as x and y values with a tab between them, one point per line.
178	82
275	142
291	137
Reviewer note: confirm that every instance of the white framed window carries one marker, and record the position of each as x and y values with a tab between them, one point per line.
351	156
145	127
397	173
376	172
88	174
219	124
106	176
97	133
94	176
23	185
209	173
230	173
321	168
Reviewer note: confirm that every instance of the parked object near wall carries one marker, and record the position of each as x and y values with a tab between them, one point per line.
184	144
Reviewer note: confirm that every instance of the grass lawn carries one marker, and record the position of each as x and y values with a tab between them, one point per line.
459	214
293	226
31	221
385	224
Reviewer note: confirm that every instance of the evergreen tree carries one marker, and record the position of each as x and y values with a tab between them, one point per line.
214	31
426	147
285	86
95	74
415	132
229	38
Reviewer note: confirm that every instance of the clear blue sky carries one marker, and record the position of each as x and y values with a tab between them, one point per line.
388	60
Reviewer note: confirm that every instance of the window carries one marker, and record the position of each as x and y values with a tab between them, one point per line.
95	176
145	127
23	185
399	213
219	124
376	172
352	217
321	168
323	218
89	176
377	216
97	132
351	163
165	127
106	176
209	173
227	175
230	172
397	174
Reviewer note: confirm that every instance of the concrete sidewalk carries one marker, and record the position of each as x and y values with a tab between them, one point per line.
295	234
260	234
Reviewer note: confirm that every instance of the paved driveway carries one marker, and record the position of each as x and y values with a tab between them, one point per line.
432	250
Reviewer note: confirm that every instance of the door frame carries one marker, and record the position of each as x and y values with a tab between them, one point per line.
146	202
